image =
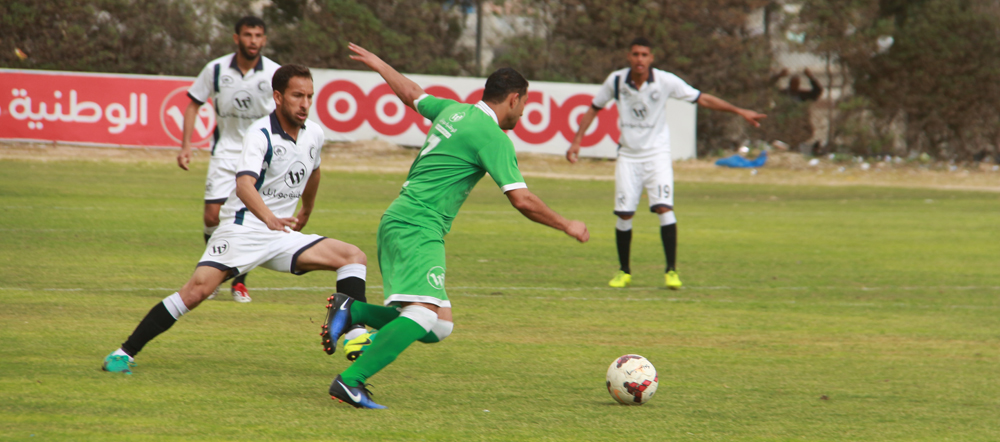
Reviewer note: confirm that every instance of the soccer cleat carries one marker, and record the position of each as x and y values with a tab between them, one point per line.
338	320
118	364
673	281
355	347
358	397
621	280
240	293
214	292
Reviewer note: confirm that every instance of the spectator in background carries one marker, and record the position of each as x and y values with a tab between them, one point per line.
795	86
791	122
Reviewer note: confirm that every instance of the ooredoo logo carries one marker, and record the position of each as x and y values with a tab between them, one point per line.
172	118
343	107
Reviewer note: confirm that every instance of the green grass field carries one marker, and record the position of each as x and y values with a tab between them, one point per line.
809	313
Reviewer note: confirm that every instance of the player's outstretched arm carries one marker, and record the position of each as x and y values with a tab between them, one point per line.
533	208
190	114
247	193
585	121
308	200
405	89
716	103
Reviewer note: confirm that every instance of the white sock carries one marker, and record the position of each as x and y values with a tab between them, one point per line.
352	271
623	224
354	332
175	305
668	218
121	352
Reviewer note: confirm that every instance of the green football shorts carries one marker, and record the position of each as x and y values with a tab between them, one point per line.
411	259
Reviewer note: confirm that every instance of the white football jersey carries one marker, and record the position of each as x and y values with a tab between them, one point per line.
281	165
642	113
239	99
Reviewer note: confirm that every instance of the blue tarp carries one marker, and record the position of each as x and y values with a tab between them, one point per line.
738	161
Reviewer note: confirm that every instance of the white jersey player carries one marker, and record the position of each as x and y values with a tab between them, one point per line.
279	167
640	93
239	85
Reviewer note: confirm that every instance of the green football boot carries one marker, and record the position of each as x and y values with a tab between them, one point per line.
118	364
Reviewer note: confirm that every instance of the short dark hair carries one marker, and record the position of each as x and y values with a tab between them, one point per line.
250	22
285	73
640	41
502	83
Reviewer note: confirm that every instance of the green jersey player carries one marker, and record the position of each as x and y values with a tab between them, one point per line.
464	143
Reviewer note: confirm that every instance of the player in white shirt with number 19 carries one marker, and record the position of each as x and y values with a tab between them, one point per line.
644	161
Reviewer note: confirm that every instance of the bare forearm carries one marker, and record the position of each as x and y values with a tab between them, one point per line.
585	121
247	193
533	208
190	114
309	194
715	103
407	90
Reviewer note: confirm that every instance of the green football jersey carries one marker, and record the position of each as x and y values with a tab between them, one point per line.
464	143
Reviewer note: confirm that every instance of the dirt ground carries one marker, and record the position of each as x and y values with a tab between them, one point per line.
781	168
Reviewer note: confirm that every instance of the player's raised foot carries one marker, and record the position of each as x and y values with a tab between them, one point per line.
240	293
338	320
118	363
356	396
621	280
355	347
673	281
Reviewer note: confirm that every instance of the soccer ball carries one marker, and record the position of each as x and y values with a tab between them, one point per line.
632	380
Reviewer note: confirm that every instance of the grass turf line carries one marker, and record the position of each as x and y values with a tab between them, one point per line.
740	355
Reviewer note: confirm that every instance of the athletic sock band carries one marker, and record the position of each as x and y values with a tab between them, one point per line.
352	271
423	316
668	218
175	305
623	224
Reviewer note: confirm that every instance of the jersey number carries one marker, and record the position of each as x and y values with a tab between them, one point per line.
432	142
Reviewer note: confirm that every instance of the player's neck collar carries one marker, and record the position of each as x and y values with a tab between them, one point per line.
489	111
257	68
279	131
628	78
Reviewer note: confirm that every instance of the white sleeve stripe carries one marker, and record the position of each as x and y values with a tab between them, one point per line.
418	100
513	186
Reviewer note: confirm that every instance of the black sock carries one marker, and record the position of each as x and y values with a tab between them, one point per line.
157	321
668	234
207	237
624	239
353	287
240	279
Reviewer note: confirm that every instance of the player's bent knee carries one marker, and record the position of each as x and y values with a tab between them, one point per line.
441	330
423	316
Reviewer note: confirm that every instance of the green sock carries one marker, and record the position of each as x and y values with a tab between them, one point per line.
430	338
392	340
375	316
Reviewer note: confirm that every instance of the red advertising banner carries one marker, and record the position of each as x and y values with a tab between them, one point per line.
146	110
105	109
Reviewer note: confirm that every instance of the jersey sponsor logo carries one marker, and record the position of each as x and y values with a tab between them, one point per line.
639	111
435	277
172	118
312	153
296	175
243	101
218	248
342	106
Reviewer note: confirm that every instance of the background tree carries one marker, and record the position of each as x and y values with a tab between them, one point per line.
150	37
705	42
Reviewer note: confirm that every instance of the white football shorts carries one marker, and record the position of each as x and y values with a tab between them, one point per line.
239	249
655	175
221	179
